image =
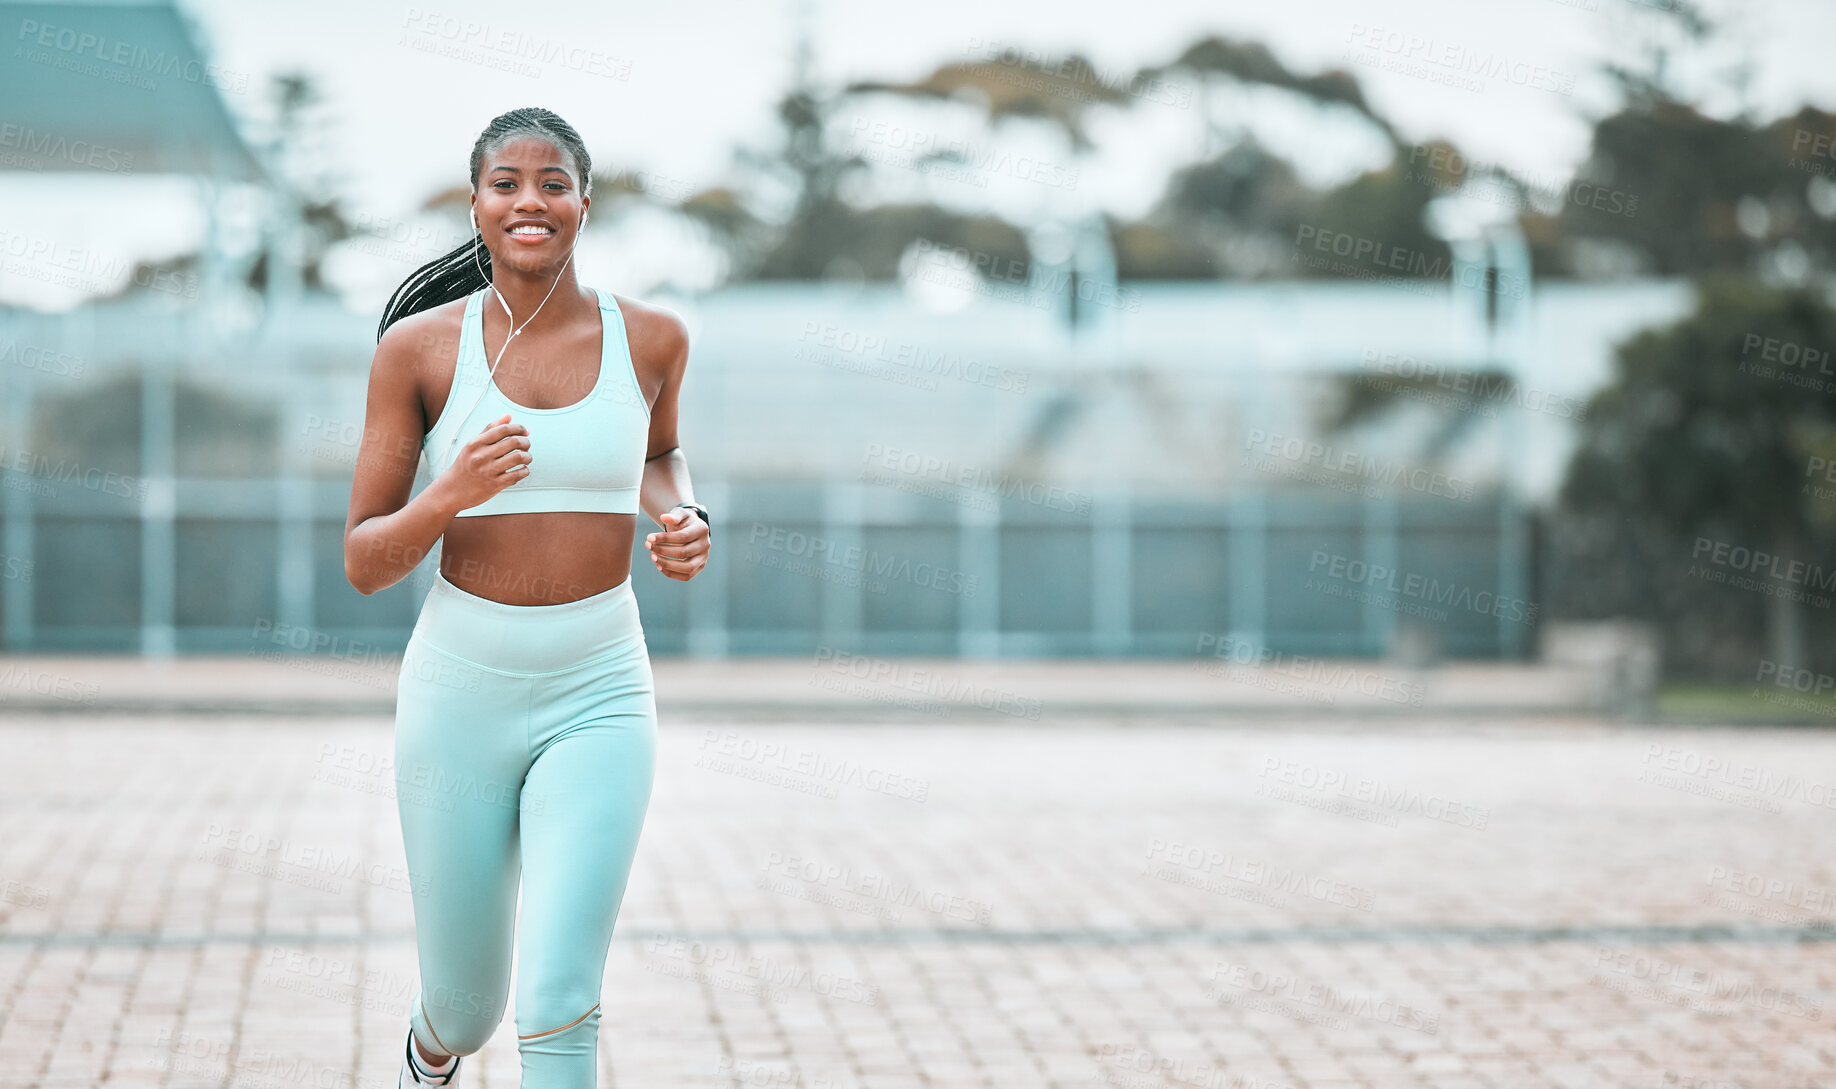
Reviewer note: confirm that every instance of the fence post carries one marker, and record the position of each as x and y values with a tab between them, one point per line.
978	553
1513	551
1112	571
17	386
158	553
1247	545
705	627
1382	547
839	619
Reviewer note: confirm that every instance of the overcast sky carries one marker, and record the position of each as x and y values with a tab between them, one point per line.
702	77
673	88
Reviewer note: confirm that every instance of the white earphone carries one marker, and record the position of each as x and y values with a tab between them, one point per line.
515	328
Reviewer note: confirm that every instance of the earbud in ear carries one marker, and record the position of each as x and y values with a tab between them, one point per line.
474	215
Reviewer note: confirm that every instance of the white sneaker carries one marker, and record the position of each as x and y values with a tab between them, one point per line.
414	1073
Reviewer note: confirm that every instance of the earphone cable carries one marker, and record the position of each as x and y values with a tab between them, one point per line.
515	329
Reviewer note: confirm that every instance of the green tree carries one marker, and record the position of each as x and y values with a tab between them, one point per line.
824	232
297	137
1707	432
1688	193
1237	211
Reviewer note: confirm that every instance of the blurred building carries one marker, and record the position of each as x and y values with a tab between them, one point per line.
885	477
943	466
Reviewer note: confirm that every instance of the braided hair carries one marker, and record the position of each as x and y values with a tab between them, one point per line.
455	274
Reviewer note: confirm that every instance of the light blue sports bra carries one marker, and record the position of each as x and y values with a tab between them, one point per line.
588	456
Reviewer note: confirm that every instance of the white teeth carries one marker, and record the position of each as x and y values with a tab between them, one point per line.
531	230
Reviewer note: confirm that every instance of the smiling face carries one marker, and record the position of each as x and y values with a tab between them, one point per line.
528	203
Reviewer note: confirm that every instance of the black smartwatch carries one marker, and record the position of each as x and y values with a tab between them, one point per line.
701	512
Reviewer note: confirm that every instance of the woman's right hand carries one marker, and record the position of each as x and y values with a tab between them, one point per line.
489	462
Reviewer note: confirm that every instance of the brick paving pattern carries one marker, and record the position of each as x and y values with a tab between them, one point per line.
1141	902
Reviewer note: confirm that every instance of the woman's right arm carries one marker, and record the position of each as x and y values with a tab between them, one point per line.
386	534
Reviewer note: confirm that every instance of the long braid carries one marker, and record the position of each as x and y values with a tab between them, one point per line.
455	274
452	275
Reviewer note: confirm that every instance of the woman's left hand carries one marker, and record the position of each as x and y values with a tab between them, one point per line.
680	551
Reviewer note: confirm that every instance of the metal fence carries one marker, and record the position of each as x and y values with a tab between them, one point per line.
161	493
841	564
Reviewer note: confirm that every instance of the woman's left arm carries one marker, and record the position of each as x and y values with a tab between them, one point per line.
681	549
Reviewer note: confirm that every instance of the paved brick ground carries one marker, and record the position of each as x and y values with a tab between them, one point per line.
1239	903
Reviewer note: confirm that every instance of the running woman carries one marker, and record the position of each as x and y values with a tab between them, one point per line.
525	721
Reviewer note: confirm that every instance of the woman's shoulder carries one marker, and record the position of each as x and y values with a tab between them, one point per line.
428	333
655	332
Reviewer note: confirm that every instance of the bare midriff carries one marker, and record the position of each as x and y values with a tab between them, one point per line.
542	558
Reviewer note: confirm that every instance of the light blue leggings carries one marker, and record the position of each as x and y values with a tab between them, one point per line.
525	745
